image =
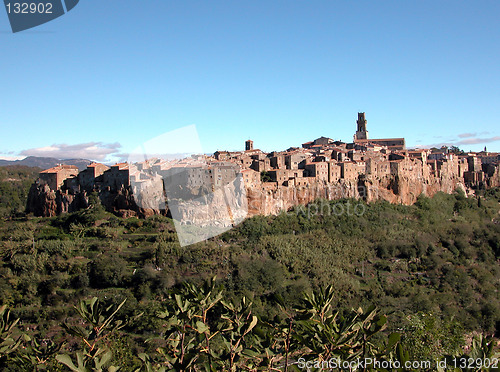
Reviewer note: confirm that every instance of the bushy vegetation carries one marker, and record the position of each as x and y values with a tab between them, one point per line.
202	330
431	268
15	182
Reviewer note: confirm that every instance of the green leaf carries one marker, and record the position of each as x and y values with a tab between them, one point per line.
66	360
253	323
392	340
201	327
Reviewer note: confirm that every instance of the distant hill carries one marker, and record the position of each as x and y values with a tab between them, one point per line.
46	163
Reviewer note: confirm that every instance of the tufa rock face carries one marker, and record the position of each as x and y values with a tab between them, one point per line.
41	201
44	202
266	198
405	190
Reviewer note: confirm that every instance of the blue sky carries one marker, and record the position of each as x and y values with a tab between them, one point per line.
110	75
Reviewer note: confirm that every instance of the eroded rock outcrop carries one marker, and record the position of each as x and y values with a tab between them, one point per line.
266	200
271	199
44	202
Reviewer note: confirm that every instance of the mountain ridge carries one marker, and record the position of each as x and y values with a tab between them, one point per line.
46	162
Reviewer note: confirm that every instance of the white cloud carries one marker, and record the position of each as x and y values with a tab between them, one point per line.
8	157
92	150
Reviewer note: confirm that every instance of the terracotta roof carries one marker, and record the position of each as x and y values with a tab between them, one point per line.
316	162
379	139
93	165
59	168
121	166
417	150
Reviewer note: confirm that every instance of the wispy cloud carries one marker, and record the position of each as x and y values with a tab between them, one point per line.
475	141
467	135
466	141
92	150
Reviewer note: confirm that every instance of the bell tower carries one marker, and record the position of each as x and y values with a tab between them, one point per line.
248	145
361	133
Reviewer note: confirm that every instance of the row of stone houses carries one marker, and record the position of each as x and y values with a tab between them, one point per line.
323	160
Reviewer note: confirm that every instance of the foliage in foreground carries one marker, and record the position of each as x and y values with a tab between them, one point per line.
203	332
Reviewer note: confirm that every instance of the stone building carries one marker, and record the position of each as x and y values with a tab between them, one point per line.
393	144
283	176
222	155
318	170
223	173
406	167
296	160
356	155
54	177
261	165
318	143
350	170
474	163
339	154
322	141
420	154
117	177
489	157
246	161
334	172
279	175
88	178
277	161
251	177
473	177
378	167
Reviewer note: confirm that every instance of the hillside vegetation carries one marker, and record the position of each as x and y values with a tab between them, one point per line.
15	181
431	270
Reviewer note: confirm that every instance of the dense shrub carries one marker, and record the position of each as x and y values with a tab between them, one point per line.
108	270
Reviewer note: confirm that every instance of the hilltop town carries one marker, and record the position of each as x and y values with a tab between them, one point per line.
324	168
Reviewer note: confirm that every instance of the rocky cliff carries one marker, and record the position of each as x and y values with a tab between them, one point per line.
44	202
265	199
272	199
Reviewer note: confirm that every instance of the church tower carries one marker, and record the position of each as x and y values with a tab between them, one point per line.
361	133
248	145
